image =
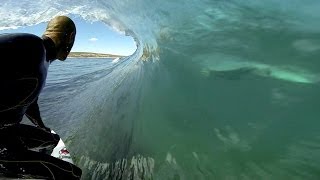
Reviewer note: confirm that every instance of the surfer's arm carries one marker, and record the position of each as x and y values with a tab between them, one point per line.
33	114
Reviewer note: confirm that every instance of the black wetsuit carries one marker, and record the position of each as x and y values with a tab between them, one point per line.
23	70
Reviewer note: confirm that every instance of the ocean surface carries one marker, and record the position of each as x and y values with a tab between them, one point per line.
215	90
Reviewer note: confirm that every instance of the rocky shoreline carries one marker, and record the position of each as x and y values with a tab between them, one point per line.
91	55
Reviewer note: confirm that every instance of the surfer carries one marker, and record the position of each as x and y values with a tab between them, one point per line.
23	72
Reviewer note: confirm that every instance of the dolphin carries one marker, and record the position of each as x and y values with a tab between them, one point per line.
231	67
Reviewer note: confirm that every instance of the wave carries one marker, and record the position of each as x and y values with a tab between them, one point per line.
215	90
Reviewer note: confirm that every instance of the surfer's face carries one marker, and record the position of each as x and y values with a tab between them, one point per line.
66	47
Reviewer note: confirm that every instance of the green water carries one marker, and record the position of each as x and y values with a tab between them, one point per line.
235	126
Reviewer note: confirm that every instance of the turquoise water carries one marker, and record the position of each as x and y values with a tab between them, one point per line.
215	90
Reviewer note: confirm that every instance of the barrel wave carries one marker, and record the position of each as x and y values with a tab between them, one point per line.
215	90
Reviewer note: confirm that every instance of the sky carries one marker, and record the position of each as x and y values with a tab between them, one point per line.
91	37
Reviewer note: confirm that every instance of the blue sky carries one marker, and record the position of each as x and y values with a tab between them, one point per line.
91	37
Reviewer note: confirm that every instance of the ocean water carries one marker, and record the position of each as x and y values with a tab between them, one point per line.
215	90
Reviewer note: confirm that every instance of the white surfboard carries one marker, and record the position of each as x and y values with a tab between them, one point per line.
61	151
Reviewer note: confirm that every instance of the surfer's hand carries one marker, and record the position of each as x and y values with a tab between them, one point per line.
45	129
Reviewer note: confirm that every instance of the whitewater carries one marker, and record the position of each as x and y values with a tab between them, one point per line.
215	90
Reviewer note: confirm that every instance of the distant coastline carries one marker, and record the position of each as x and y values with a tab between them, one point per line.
92	55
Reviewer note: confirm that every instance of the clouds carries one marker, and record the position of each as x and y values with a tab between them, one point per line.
93	39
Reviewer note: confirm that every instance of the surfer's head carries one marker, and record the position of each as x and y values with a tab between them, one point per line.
62	31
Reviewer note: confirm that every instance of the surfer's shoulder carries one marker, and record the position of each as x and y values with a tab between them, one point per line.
20	40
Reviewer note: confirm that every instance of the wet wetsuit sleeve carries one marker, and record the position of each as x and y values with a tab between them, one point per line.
33	113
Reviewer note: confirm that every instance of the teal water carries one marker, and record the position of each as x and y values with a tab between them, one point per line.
215	90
